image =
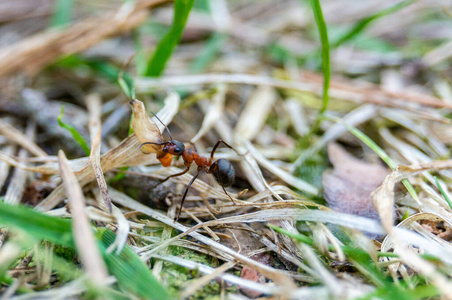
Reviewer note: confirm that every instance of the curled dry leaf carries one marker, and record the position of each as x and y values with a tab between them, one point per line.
348	187
148	132
145	129
383	197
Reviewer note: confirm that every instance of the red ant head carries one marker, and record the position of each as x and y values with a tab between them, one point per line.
174	147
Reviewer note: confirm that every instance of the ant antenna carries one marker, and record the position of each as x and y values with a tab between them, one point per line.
163	125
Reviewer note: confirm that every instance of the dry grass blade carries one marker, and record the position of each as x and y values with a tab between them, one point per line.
4	166
47	169
123	226
213	114
346	220
428	269
36	52
19	138
16	187
297	116
283	175
94	104
83	233
255	113
331	282
312	84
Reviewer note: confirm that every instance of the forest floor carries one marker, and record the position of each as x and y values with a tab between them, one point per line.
336	123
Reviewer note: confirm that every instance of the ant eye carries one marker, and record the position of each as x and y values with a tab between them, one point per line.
177	150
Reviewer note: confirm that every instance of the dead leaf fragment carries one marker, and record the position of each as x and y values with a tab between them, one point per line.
253	275
348	187
145	129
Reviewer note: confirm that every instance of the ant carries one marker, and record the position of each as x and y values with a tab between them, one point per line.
221	169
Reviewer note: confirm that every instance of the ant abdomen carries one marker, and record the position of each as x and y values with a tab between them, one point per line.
223	171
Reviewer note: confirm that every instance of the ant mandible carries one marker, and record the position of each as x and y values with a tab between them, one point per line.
221	169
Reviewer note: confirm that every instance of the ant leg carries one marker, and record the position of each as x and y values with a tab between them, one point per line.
185	194
228	195
226	144
171	176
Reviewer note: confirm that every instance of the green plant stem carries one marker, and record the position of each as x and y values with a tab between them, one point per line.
323	32
165	48
75	134
443	192
365	22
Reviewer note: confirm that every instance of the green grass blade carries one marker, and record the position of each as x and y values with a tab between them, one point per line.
371	144
443	192
62	14
37	225
364	23
127	84
164	49
323	32
77	137
131	272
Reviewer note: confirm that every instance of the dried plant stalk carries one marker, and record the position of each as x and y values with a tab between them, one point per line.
94	105
16	188
21	139
84	238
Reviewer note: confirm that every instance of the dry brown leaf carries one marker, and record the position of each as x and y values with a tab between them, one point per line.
348	187
383	200
252	275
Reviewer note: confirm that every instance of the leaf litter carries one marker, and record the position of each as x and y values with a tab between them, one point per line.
238	98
